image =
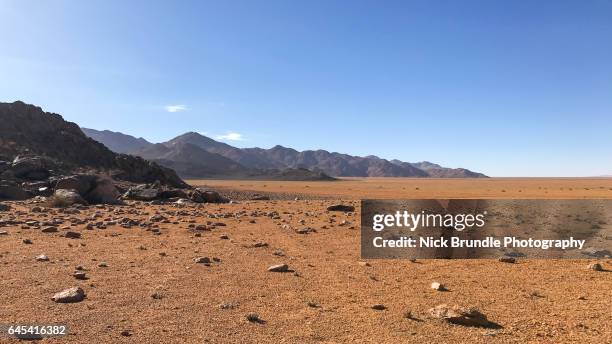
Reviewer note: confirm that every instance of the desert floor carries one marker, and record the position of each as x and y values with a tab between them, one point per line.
152	291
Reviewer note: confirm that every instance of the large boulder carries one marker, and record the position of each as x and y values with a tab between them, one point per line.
82	183
142	193
13	192
104	192
206	196
31	167
4	165
65	198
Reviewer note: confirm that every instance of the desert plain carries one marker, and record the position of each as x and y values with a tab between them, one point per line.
191	273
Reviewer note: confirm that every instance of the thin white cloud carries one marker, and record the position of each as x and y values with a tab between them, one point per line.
231	136
176	108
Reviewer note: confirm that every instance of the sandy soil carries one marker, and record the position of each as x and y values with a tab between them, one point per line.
327	297
416	188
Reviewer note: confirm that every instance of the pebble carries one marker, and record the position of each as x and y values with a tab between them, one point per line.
279	268
595	267
42	258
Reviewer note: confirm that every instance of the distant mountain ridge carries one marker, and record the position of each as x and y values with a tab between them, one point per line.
117	142
195	155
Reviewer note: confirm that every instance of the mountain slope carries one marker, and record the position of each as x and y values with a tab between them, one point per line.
190	161
117	142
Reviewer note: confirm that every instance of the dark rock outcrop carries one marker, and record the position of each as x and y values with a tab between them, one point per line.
43	144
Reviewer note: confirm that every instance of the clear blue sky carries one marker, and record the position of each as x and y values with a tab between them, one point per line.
508	88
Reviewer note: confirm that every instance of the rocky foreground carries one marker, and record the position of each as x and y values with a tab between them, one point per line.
177	271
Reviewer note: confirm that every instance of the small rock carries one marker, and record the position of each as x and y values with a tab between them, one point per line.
254	317
595	267
49	229
42	258
80	275
157	295
72	235
279	268
126	333
379	307
437	286
227	305
27	241
364	264
70	295
341	207
459	315
510	260
103	265
202	260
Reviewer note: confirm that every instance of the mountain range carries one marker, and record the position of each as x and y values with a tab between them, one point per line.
193	155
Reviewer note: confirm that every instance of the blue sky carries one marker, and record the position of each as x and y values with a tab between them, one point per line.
508	88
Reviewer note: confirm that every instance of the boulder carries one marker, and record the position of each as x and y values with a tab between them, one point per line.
13	192
64	197
31	167
103	192
4	165
206	196
82	183
173	193
459	315
142	193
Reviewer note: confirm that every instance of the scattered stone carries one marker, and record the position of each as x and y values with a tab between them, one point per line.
224	237
3	233
459	315
103	265
42	258
510	260
202	260
595	267
126	333
227	305
254	318
49	229
364	264
341	207
379	307
438	286
157	295
313	304
27	241
72	235
80	275
279	268
70	295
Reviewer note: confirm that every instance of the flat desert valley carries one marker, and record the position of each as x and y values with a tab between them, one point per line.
191	273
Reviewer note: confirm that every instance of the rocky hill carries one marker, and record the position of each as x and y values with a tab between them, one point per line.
58	146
